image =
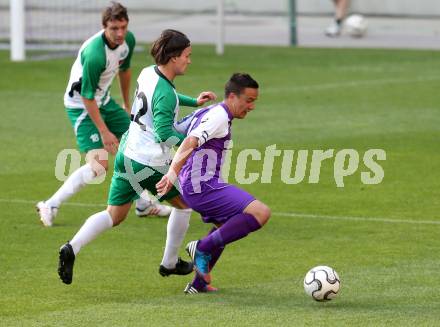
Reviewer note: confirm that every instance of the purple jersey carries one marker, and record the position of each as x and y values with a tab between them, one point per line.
200	177
202	170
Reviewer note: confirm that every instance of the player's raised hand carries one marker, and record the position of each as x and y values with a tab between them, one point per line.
110	142
205	97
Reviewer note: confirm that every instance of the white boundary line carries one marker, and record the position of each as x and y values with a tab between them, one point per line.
375	219
281	214
34	202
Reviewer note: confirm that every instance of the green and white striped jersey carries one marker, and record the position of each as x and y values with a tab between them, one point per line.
155	109
95	67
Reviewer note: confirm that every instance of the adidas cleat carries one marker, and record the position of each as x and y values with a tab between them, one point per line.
182	268
200	261
65	264
190	289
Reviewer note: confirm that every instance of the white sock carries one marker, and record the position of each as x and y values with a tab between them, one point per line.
94	225
79	178
178	224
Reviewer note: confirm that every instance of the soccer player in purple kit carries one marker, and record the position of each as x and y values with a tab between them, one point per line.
197	164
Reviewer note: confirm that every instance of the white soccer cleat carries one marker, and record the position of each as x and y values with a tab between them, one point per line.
148	208
47	214
333	30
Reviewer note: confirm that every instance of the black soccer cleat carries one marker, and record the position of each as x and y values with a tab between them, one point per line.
65	263
182	268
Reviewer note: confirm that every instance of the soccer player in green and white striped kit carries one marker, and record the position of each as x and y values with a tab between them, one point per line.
144	155
98	121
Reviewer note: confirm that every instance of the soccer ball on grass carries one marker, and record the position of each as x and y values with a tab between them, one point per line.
322	283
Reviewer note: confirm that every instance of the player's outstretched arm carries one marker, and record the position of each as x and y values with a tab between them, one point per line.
205	96
182	154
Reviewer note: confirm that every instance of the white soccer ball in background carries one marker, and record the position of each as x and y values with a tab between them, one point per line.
356	25
322	283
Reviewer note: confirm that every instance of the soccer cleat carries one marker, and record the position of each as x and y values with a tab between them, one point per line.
65	264
333	30
152	209
190	289
47	214
200	260
182	268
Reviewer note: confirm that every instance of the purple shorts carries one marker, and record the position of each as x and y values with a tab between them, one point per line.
217	205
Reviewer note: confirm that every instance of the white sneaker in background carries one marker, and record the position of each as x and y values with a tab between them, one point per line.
47	214
333	30
149	208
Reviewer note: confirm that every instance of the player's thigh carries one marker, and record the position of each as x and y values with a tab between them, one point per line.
122	188
116	118
218	205
139	177
86	133
121	191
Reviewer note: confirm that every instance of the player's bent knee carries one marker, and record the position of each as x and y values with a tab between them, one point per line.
259	210
105	166
98	158
101	166
264	213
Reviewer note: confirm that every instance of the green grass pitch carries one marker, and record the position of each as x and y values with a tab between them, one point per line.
383	239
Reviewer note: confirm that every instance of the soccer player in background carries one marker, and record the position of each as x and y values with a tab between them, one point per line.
98	121
144	155
341	7
197	165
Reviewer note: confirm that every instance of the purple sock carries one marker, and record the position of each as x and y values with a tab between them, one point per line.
235	228
215	255
216	252
197	282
